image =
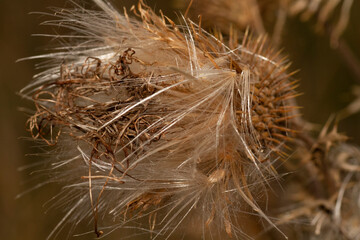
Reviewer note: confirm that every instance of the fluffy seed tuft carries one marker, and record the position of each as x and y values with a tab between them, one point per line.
160	120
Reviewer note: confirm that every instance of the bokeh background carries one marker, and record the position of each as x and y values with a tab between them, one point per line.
325	81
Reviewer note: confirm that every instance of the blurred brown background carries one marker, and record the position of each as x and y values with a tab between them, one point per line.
325	81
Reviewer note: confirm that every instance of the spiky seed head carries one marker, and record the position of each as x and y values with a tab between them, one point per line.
163	120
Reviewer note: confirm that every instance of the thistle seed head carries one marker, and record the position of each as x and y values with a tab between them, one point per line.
162	120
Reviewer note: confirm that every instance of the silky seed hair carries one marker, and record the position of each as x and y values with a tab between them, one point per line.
164	122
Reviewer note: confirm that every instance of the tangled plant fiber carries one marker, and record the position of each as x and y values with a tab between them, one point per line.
161	121
321	197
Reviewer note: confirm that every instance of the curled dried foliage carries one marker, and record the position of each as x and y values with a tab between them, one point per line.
165	119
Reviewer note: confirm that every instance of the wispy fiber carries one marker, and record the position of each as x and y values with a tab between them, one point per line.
162	121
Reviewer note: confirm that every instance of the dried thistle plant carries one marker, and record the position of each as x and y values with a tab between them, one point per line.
270	16
322	196
324	10
240	13
327	189
161	121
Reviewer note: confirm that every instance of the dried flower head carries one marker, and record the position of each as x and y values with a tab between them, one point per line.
324	10
266	16
327	190
239	13
161	121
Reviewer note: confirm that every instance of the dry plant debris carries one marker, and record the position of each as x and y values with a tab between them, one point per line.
158	124
167	119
